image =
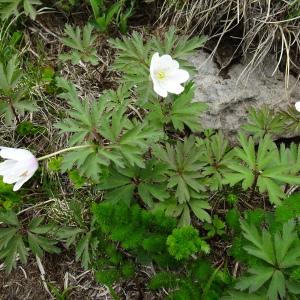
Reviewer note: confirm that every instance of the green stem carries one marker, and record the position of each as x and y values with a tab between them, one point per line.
62	151
112	292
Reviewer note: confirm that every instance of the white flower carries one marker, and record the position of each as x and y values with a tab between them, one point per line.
297	105
19	166
166	75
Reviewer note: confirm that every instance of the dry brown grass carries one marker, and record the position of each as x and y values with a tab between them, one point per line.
264	27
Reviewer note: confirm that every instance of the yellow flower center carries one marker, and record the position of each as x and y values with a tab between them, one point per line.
161	75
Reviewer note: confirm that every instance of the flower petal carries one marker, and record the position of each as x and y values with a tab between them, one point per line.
9	179
174	87
15	154
158	89
7	166
20	182
297	106
179	76
154	63
167	63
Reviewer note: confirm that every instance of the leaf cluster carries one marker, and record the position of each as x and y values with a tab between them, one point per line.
81	44
9	8
17	237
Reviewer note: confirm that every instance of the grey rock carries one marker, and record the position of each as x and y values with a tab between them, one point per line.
229	99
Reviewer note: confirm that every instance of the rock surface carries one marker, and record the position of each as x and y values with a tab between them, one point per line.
229	98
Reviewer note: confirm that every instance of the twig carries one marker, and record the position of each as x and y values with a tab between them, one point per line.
43	273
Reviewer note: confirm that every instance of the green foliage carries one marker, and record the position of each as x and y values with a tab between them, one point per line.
118	12
233	219
232	199
216	155
183	170
9	8
263	121
289	209
76	179
112	135
184	242
123	184
133	58
82	234
291	118
276	256
16	237
26	128
182	112
81	44
200	282
262	168
13	91
139	231
8	198
216	227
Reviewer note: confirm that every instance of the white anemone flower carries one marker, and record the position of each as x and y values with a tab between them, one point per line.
19	166
166	75
297	105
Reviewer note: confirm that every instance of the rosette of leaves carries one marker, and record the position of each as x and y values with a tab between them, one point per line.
217	155
81	44
13	91
134	55
124	184
277	257
112	136
262	168
17	237
264	121
183	171
11	7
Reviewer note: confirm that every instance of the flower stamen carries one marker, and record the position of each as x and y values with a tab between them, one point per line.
161	75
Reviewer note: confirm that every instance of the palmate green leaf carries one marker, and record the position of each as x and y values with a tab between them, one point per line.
81	43
89	161
280	251
15	247
183	167
13	91
277	286
291	118
260	275
13	242
265	167
39	244
186	112
287	253
290	157
9	217
148	183
10	7
289	209
68	234
263	121
218	156
85	249
262	245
